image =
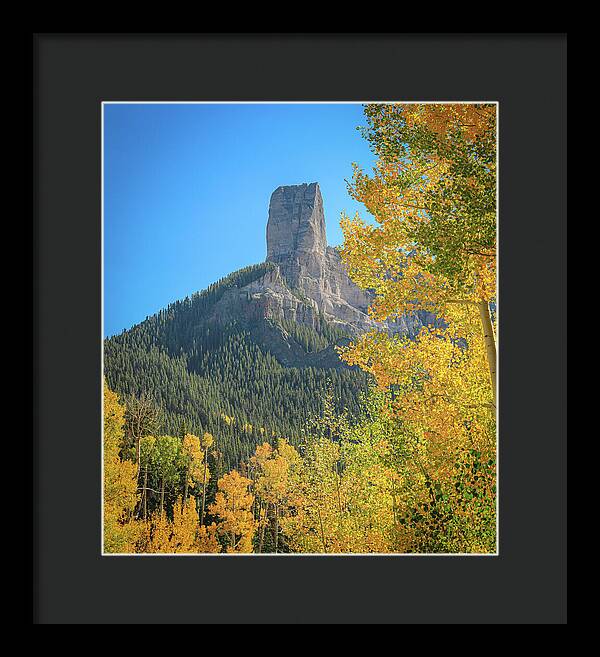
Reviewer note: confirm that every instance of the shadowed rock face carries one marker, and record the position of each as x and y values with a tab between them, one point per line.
309	279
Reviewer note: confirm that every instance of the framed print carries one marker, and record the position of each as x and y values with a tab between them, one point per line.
284	328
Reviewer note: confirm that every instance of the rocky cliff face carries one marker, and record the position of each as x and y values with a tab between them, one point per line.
307	281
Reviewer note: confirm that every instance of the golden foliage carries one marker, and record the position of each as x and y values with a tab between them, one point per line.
233	506
433	196
433	248
121	533
194	457
183	534
444	119
207	440
207	541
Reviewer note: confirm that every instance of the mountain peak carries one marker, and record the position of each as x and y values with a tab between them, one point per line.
296	224
310	277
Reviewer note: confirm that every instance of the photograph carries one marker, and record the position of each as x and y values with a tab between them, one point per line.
299	328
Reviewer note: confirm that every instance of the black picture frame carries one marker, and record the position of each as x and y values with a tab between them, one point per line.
73	583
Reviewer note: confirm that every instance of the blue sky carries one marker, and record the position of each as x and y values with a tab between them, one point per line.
187	188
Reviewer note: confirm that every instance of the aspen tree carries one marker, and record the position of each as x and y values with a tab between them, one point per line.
433	197
206	443
233	506
193	459
120	481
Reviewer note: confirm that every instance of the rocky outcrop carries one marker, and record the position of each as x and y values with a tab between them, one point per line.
308	280
296	224
297	243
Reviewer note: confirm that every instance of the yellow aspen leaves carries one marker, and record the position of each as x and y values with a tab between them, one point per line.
233	506
120	482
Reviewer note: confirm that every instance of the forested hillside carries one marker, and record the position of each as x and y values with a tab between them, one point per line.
223	377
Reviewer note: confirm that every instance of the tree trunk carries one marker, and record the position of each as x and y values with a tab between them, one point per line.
338	481
146	492
262	527
185	487
232	531
489	341
276	509
138	451
322	532
204	488
162	495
